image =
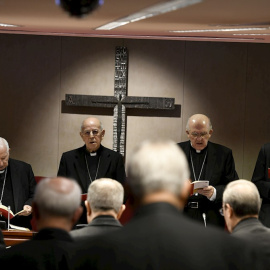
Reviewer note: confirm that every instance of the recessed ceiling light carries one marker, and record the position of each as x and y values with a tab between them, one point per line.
8	25
251	34
221	30
149	12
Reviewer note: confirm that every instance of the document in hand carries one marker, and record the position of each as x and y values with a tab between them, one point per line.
4	212
197	185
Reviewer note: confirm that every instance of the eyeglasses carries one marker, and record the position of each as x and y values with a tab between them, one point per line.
221	211
196	135
87	133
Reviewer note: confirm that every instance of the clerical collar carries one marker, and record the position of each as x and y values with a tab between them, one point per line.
93	154
198	151
2	171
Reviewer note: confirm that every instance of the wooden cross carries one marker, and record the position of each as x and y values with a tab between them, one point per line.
120	101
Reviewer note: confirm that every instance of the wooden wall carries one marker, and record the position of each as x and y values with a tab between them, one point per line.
229	82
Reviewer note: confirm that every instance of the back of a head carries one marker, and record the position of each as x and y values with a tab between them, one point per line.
243	197
157	166
57	197
105	194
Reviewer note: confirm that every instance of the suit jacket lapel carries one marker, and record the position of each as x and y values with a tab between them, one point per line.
211	160
80	167
104	162
186	149
15	178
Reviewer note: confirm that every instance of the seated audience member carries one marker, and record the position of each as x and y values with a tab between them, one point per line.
159	236
241	205
56	207
104	206
17	188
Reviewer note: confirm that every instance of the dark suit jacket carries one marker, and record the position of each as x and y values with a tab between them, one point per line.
72	165
23	183
252	229
160	237
262	181
23	186
99	225
254	232
220	170
49	249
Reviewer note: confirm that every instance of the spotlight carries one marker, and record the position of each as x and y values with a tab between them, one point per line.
79	8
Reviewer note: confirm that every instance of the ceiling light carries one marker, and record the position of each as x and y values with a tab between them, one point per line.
149	12
251	34
221	30
8	25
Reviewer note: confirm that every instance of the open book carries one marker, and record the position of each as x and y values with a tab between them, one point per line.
4	212
197	185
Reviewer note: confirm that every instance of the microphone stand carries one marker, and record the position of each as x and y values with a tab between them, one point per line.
8	216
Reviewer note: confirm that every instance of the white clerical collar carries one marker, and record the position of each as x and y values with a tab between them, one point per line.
197	151
92	154
2	171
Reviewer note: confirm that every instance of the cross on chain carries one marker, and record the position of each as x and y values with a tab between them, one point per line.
120	101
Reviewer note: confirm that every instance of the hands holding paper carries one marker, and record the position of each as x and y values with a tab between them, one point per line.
27	210
206	191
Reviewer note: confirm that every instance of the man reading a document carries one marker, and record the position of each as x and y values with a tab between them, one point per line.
207	161
17	186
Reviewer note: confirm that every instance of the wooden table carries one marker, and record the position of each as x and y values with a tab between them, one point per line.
13	237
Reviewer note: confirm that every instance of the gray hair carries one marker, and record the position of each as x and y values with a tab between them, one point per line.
4	142
57	197
243	196
105	194
157	166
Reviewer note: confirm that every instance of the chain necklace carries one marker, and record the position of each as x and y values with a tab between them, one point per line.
3	186
193	166
90	178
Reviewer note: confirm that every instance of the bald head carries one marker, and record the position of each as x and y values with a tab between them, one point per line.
91	121
199	130
4	154
4	144
199	121
92	133
57	197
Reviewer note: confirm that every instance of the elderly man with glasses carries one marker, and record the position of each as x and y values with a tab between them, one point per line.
207	161
92	160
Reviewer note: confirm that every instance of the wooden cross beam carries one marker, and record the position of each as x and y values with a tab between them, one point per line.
120	101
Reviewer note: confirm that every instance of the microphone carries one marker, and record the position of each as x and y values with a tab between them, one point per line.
204	219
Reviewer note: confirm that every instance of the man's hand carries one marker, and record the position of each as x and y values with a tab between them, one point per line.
27	210
207	191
